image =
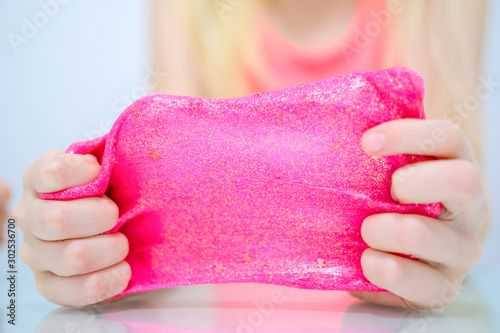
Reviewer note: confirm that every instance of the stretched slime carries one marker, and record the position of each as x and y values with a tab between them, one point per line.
267	188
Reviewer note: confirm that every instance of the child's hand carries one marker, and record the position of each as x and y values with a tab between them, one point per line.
73	264
447	247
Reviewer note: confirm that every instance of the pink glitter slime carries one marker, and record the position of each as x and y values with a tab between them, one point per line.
268	188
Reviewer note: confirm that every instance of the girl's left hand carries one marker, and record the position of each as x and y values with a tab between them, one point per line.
447	247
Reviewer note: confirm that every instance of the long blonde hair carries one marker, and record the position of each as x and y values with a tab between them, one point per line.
441	39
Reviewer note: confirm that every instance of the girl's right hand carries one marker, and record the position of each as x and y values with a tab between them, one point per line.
73	263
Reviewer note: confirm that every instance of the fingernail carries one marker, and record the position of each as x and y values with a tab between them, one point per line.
393	195
374	142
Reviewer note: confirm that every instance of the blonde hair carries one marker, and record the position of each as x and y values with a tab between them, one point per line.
216	30
440	39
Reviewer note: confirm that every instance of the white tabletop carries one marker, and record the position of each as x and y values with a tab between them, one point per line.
264	308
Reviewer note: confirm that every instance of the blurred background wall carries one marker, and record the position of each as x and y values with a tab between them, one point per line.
66	83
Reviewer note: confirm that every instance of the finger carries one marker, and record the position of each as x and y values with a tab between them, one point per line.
418	283
455	183
56	220
56	171
422	237
75	257
439	138
81	290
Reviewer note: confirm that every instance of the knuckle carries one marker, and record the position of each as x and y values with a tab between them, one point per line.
53	174
91	162
467	179
72	160
76	258
53	222
36	167
391	271
473	253
454	135
102	285
98	287
411	232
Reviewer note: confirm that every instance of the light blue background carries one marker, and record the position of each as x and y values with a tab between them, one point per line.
62	84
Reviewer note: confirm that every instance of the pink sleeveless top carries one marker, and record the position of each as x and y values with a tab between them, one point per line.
274	62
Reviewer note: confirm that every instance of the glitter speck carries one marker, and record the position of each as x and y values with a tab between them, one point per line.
154	155
218	268
320	263
334	145
246	258
136	111
309	98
